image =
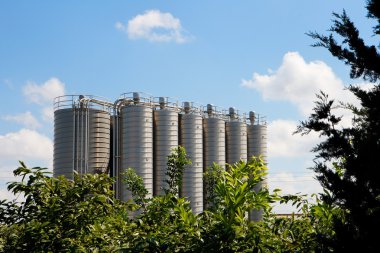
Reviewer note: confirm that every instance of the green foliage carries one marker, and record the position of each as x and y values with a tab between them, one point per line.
83	216
177	162
348	158
59	214
211	177
363	59
233	197
135	184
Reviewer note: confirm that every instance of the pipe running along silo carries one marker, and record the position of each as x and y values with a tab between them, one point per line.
81	135
136	141
165	119
191	138
214	137
257	146
236	137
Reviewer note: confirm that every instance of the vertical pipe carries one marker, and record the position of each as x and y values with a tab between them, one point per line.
77	133
87	126
115	153
73	140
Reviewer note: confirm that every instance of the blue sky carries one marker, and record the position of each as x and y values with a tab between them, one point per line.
253	55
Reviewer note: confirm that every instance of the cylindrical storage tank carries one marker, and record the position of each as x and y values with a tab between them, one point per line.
257	141
191	138
65	144
214	145
257	146
136	133
81	140
99	141
165	140
236	139
214	141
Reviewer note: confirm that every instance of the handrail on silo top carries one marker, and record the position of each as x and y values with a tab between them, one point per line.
257	119
138	98
234	115
191	107
165	102
80	101
212	111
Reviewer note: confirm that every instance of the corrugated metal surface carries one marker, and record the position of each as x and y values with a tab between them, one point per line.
257	141
236	141
191	139
257	146
136	145
165	140
81	141
143	139
214	141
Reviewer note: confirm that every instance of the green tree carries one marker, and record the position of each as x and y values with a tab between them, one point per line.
226	224
233	196
167	223
177	162
61	215
211	177
348	161
82	215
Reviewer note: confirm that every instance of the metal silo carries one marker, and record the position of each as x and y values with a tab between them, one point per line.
136	143
257	146
257	137
214	130
165	140
236	138
192	140
81	135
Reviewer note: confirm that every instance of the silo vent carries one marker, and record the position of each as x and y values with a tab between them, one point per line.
252	117
162	102
186	107
232	113
136	97
209	109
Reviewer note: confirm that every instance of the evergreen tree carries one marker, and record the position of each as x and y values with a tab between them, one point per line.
348	159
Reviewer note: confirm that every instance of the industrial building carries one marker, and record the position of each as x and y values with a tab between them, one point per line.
93	135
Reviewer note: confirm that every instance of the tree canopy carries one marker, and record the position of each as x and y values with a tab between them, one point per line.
82	215
347	163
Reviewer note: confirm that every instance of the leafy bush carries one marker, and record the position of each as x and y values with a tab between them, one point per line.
83	215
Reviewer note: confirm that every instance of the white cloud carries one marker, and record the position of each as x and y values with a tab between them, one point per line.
297	81
290	183
45	93
26	144
26	119
6	171
48	114
282	142
154	26
5	194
